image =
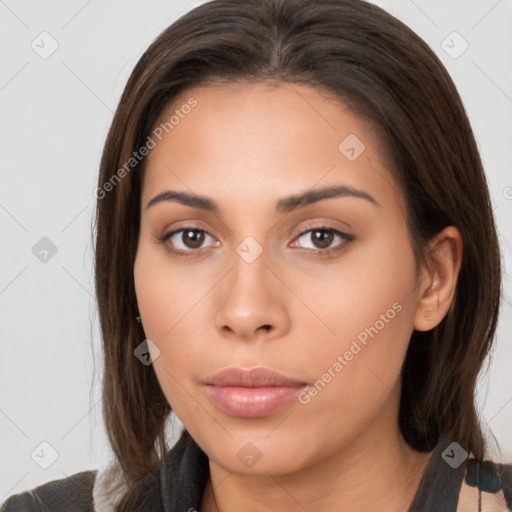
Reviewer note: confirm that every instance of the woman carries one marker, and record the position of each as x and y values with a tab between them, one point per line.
296	254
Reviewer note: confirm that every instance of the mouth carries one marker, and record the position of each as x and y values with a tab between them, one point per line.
252	393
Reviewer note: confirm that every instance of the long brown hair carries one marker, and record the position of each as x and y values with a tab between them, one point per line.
382	71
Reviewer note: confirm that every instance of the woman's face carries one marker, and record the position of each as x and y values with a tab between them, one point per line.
274	273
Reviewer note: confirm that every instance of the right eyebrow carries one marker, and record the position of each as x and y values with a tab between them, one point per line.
192	200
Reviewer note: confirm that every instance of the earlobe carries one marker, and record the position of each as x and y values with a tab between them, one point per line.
436	290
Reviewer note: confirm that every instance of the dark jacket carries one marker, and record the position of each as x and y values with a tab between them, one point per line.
178	485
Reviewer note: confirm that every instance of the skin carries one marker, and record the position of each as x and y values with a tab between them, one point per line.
246	146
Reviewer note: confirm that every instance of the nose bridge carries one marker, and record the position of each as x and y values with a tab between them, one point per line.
252	299
250	273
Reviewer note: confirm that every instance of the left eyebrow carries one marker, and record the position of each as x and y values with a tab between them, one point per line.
284	205
290	203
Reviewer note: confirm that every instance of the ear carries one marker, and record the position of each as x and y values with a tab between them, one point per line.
438	282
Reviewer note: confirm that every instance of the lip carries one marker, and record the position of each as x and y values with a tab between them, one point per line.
252	392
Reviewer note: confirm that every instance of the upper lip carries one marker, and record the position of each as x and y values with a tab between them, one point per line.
251	378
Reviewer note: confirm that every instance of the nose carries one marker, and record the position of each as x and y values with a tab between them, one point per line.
251	302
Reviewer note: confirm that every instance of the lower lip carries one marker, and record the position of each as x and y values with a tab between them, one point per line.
252	402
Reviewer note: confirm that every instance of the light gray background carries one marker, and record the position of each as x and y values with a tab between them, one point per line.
54	115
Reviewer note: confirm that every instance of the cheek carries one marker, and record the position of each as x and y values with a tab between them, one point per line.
169	302
165	292
370	282
370	307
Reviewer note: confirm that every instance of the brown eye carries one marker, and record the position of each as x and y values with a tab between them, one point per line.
192	239
322	238
186	241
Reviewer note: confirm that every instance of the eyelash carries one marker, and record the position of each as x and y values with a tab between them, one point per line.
320	252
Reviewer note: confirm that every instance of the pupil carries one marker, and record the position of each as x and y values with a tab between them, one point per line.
324	240
196	238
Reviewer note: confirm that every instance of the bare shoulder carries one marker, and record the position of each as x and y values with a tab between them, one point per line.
70	493
487	487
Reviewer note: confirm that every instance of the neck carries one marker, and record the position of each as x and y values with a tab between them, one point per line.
377	470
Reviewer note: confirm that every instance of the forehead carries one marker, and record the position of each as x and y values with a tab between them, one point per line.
256	138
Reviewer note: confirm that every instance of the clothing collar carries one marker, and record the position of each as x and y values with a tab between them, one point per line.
184	475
